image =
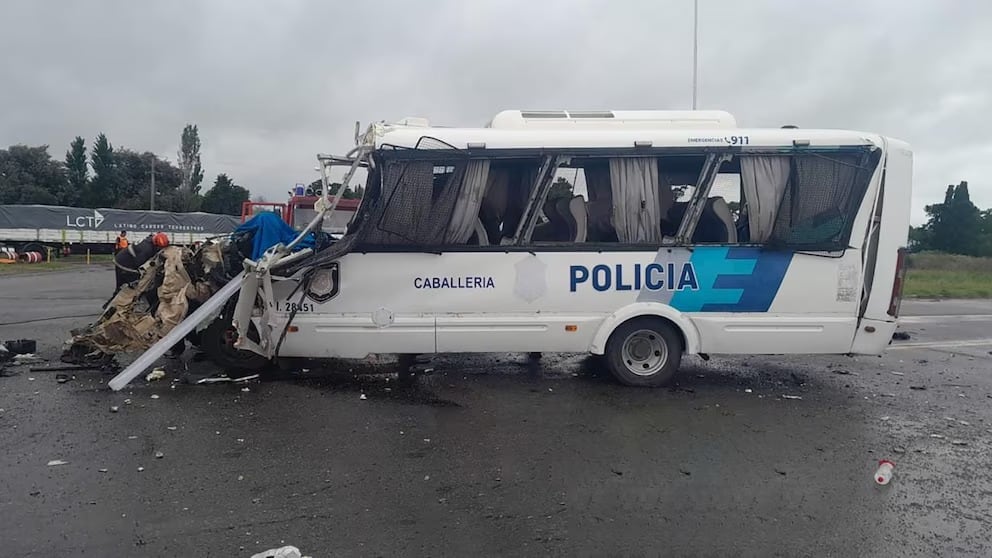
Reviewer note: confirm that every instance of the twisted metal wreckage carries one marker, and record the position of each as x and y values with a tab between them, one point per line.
154	315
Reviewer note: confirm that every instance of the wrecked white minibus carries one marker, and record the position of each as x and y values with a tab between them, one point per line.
681	234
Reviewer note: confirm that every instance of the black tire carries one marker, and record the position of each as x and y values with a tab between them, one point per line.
217	341
644	352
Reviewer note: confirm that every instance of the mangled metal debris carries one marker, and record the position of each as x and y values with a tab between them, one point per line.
142	313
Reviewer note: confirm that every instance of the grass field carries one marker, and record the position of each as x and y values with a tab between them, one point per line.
936	275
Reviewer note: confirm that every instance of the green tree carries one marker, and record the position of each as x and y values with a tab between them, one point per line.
955	225
102	190
28	175
77	172
225	197
920	238
189	164
134	170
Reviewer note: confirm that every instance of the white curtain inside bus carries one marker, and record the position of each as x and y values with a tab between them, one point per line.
636	205
466	212
764	179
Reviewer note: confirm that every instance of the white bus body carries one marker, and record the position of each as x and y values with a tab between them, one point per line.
824	276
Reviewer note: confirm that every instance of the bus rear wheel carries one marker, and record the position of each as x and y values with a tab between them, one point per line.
644	352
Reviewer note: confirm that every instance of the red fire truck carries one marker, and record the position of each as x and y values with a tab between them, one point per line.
299	210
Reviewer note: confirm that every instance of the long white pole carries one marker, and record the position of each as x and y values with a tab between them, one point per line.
695	48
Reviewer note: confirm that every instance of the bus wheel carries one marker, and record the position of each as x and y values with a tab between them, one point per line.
217	342
644	352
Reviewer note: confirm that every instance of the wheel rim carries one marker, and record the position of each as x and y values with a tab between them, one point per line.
644	352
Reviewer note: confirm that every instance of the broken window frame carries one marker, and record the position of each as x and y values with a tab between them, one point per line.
551	159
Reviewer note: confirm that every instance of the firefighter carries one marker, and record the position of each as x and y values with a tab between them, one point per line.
121	243
130	259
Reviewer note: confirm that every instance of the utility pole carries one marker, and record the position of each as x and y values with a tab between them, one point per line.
151	202
695	48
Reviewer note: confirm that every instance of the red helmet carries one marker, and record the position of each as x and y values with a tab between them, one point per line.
160	239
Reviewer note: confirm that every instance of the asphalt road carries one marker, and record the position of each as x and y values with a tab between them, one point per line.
493	455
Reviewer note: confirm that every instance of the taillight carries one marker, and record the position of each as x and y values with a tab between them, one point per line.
897	285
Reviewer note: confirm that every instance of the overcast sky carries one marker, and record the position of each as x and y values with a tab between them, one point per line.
270	84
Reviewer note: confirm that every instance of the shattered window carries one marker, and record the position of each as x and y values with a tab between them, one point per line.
416	203
821	199
440	204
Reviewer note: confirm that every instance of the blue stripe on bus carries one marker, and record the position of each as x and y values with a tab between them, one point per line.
743	279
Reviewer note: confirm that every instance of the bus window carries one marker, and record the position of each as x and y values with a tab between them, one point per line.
450	203
618	200
805	201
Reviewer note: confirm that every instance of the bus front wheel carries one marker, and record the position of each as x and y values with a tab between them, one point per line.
644	352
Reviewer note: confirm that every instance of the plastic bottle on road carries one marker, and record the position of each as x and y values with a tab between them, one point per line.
884	472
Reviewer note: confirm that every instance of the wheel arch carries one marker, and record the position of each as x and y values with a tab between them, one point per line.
682	324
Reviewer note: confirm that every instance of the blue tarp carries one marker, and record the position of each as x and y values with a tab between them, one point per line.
269	230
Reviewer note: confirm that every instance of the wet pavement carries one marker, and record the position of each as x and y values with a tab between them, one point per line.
498	455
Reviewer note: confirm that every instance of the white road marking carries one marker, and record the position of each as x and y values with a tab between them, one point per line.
941	344
945	318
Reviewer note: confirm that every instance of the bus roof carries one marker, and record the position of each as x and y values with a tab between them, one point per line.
492	138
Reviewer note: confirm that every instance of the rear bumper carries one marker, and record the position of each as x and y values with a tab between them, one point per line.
873	337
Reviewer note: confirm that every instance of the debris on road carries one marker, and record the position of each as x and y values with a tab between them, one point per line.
899	449
159	455
114	408
72	368
141	469
894	373
791	397
154	396
937	436
900	336
56	462
918	388
748	390
224	379
143	312
959	442
61	378
154	375
26	358
19	347
362	397
884	472
282	552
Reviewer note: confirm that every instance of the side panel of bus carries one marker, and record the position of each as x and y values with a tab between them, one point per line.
741	300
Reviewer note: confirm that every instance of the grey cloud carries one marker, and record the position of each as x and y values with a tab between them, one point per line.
271	84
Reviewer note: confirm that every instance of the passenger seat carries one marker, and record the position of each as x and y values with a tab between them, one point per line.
574	213
716	223
718	206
